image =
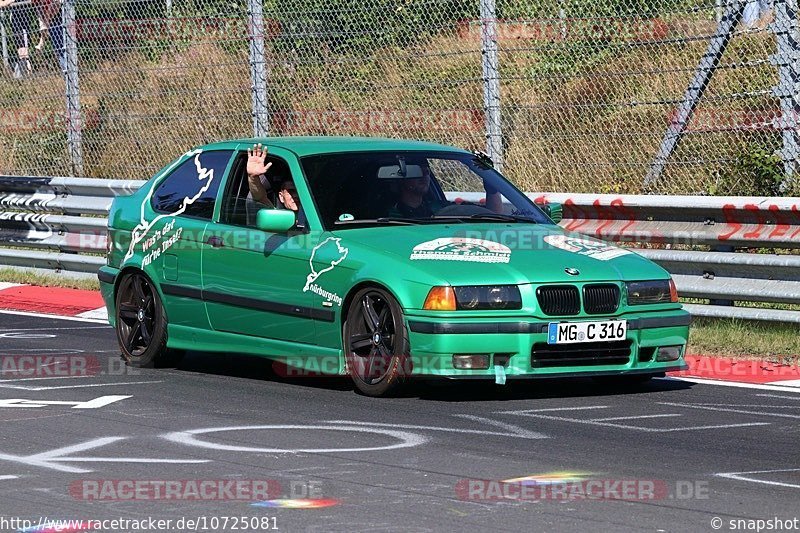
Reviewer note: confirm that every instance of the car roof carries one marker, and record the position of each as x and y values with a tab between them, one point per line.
303	146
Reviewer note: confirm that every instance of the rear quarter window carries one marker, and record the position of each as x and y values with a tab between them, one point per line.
191	189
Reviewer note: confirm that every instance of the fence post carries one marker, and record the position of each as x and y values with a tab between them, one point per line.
258	70
4	38
694	92
785	28
491	82
74	128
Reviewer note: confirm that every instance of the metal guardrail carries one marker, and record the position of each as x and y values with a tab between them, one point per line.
59	225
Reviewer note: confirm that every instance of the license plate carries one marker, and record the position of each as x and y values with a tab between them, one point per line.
572	332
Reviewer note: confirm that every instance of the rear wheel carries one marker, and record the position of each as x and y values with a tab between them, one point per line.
141	321
376	342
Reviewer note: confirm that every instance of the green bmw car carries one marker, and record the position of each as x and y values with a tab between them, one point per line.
380	259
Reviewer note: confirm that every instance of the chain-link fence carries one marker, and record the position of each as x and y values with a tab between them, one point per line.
667	96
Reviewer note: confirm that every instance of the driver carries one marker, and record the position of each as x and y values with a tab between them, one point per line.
413	201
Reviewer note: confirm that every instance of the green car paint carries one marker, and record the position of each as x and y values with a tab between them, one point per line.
231	287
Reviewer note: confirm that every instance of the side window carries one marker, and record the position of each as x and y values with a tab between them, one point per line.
192	188
239	208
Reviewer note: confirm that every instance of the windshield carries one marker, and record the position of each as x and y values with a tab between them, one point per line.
385	188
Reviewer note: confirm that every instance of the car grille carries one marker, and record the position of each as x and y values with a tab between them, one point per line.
545	355
600	299
559	300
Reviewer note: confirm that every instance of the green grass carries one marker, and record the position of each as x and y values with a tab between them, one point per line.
745	339
48	280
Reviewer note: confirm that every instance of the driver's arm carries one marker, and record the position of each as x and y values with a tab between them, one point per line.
257	189
494	200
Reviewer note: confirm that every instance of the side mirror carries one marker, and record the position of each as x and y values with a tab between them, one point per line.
554	210
275	220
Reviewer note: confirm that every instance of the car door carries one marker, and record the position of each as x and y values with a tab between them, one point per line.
253	281
183	204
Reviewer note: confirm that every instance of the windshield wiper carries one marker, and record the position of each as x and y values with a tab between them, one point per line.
488	216
498	216
383	220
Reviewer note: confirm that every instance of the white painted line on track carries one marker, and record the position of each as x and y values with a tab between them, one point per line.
640	428
54	317
6	285
34	389
39	379
719	382
99	314
634	417
6	330
95	403
188	438
51	459
786	383
781	396
515	432
3	478
548	409
716	426
770	406
724	410
744	476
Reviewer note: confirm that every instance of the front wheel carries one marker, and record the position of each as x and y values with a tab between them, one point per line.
141	321
376	342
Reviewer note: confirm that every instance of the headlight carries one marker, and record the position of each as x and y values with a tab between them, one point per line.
488	297
651	292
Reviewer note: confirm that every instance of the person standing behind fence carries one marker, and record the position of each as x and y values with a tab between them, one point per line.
21	16
50	21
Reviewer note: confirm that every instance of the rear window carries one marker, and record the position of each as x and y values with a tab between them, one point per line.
191	189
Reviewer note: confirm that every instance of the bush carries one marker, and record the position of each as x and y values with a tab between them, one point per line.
757	171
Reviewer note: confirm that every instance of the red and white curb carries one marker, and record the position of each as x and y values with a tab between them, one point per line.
88	306
59	301
755	373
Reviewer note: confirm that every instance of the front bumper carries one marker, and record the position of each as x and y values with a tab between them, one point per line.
107	276
510	345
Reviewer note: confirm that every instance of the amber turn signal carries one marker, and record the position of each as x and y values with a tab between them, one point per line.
440	299
673	291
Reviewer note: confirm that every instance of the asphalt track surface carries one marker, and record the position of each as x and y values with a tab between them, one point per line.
390	464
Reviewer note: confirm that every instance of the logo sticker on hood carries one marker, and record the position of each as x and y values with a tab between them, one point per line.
590	248
462	249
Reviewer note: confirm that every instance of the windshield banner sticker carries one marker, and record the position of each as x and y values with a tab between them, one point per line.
338	253
462	249
594	249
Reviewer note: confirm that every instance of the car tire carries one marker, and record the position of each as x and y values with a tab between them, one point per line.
141	322
376	343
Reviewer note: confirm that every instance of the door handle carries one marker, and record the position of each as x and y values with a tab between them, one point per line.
216	242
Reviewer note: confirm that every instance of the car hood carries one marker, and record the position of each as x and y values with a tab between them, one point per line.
501	253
